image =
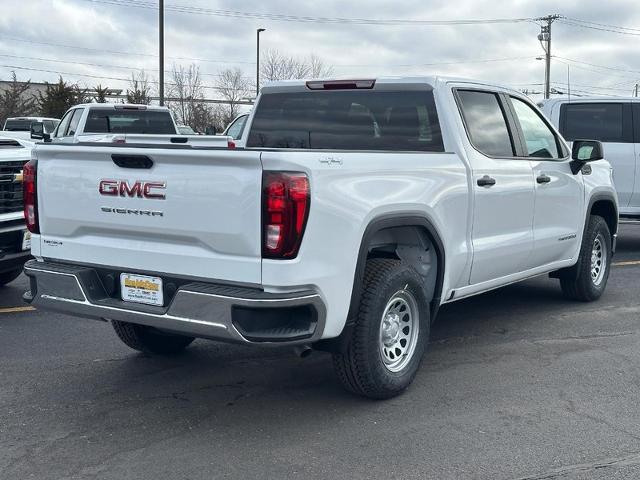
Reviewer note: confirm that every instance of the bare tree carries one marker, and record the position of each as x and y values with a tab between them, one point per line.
233	87
317	67
13	100
140	89
186	94
277	66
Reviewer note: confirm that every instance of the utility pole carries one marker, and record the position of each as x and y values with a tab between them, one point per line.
545	40
258	60
636	89
161	52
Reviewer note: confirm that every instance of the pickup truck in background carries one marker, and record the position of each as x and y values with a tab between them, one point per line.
91	122
354	211
20	127
616	123
15	239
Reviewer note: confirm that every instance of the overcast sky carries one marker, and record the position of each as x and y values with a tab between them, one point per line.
103	29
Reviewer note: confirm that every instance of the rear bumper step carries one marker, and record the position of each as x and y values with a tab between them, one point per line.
217	312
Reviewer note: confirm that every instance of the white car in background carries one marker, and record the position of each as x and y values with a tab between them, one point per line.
616	123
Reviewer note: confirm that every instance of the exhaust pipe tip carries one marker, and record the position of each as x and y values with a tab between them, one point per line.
303	351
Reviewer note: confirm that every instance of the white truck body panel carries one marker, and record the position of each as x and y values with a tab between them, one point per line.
211	223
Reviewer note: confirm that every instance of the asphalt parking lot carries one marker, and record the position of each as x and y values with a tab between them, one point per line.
518	384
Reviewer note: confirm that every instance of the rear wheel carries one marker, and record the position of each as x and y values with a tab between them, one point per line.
391	333
150	340
10	276
587	280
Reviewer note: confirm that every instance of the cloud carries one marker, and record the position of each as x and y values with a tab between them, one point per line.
354	50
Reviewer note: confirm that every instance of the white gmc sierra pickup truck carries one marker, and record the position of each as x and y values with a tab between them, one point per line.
354	211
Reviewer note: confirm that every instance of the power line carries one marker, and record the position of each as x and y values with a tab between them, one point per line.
435	64
592	27
606	25
598	66
236	62
19	57
101	77
119	53
303	19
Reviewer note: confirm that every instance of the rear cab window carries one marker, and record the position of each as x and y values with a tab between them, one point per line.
381	120
18	124
136	121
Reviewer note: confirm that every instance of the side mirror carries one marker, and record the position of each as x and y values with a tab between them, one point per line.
584	151
210	130
37	131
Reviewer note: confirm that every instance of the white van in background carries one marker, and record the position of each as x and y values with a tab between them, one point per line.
616	123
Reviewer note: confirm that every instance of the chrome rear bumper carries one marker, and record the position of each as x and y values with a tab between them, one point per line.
218	312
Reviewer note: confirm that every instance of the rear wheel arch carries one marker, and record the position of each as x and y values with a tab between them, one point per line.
401	236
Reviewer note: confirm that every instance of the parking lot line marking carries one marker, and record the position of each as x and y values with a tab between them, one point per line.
17	309
625	264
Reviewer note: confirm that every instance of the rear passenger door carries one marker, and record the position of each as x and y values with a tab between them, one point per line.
559	202
612	124
503	189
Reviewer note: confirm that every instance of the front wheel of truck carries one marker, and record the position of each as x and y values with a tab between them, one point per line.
587	280
391	332
150	340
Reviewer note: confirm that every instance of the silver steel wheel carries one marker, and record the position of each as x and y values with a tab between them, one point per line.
399	330
598	260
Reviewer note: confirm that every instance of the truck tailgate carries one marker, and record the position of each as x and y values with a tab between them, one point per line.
93	211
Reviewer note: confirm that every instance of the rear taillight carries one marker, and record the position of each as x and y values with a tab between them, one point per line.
285	208
30	196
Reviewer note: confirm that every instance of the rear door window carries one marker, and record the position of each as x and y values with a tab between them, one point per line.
592	121
347	120
486	123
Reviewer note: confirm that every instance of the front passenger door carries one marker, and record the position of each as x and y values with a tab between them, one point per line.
559	203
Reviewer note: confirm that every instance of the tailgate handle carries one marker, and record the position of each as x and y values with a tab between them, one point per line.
132	161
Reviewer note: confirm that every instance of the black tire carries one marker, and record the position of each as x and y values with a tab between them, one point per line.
360	367
578	282
10	276
150	340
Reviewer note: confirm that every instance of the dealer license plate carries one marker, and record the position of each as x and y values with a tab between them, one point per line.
141	289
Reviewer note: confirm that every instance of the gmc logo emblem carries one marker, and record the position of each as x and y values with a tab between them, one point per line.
140	189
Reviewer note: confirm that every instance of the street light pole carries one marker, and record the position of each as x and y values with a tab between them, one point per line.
258	60
161	52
